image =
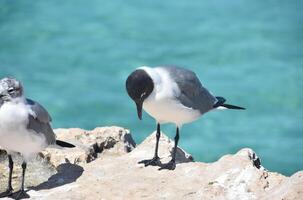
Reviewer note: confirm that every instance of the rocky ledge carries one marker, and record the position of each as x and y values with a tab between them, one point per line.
104	165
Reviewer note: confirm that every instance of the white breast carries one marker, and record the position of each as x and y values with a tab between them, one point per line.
162	104
13	130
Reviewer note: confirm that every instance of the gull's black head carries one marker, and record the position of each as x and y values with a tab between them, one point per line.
139	86
10	89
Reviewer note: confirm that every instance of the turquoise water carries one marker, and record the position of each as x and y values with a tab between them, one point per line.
74	57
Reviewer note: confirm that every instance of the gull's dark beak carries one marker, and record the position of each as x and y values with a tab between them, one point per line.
139	109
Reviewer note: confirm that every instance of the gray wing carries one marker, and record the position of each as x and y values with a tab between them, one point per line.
193	94
39	121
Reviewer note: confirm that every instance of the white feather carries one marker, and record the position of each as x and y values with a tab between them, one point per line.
221	108
162	103
15	137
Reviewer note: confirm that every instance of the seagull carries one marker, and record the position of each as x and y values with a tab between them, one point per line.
170	94
24	128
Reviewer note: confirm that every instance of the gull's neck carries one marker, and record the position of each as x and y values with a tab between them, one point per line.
18	100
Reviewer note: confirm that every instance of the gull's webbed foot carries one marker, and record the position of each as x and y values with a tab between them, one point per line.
155	161
171	165
21	195
7	193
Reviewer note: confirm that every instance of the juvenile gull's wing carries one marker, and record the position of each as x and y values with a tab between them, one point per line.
38	110
193	94
39	121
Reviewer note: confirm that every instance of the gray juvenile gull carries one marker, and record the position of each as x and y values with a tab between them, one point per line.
24	128
170	95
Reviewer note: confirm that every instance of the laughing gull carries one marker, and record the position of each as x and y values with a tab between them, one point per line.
171	94
24	128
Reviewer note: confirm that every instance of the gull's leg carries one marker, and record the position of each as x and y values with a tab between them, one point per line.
22	194
9	190
171	165
155	161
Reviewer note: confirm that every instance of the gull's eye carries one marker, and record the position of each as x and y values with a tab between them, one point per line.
143	94
11	90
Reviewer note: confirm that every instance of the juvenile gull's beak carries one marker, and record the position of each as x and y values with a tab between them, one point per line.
139	109
3	97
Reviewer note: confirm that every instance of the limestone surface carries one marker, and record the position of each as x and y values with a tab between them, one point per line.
104	165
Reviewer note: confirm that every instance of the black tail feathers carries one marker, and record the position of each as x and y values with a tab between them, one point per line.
232	107
64	144
221	102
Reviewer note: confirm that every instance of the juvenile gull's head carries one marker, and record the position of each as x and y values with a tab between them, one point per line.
10	89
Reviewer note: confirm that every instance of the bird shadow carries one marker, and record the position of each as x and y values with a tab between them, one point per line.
182	156
66	173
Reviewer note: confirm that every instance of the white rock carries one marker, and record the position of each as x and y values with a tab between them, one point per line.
114	173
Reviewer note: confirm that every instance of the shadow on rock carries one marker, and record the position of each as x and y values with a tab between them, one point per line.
182	156
67	173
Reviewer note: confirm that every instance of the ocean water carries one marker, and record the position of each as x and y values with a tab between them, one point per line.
74	57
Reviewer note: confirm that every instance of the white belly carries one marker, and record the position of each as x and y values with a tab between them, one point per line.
170	111
13	131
